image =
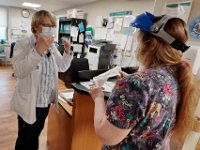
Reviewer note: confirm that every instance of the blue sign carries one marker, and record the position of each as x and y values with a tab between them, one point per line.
120	13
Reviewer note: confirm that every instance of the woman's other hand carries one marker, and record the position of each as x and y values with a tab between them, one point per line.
43	43
122	74
96	92
67	45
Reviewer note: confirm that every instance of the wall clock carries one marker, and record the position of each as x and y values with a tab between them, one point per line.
25	13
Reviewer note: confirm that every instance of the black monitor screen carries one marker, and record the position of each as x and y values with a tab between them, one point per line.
93	50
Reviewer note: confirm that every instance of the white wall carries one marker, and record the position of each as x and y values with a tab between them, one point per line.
104	7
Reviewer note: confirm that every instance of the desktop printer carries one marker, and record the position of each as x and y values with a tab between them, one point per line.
99	55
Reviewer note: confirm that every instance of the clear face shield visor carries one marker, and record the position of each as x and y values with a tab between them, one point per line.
144	22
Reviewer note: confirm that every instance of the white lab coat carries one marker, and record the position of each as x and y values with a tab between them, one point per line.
27	68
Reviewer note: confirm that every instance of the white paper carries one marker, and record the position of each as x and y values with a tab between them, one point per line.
20	28
117	38
110	35
100	33
126	42
16	31
77	48
103	33
99	21
74	39
127	21
118	24
67	95
111	72
108	85
81	38
101	79
74	31
68	100
110	23
181	11
97	35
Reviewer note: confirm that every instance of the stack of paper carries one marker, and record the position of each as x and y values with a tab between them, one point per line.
67	95
101	79
108	85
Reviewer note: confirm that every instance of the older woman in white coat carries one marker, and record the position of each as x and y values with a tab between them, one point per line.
36	63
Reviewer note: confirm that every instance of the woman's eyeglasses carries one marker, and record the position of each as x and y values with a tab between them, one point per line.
46	25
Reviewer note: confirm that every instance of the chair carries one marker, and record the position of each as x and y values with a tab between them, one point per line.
71	75
12	45
2	54
77	64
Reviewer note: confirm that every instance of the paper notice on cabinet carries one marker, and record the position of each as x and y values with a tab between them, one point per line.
74	39
74	31
81	38
77	48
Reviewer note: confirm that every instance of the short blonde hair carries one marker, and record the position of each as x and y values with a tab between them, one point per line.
38	17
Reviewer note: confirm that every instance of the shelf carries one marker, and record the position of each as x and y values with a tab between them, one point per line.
67	20
64	33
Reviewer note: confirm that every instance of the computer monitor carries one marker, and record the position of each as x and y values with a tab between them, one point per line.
93	56
99	55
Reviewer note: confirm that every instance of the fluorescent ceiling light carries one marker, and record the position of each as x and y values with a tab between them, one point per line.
31	5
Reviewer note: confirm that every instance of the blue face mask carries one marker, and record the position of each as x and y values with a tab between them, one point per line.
46	31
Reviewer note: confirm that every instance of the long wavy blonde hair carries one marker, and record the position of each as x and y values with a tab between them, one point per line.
153	52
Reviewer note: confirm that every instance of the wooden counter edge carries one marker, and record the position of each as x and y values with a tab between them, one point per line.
66	106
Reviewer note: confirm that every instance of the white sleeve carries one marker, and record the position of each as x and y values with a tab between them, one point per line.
63	62
25	59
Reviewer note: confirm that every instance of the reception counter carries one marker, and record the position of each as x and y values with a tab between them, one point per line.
72	128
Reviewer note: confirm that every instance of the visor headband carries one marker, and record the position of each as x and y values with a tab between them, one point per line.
144	22
157	29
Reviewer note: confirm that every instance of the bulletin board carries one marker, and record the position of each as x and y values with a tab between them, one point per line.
19	28
178	9
115	28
